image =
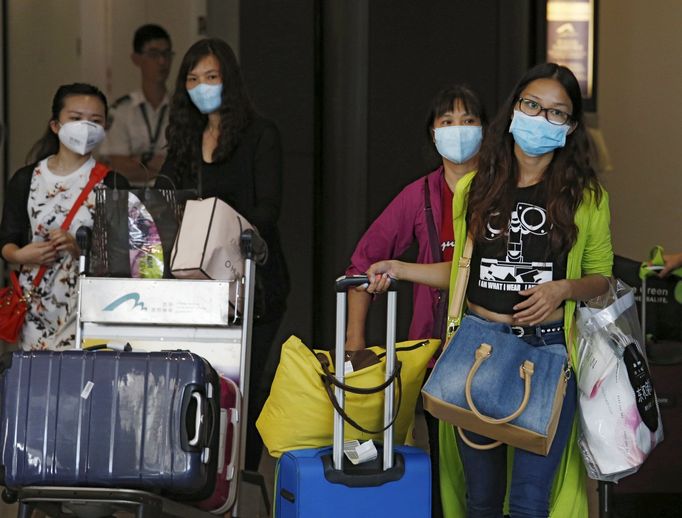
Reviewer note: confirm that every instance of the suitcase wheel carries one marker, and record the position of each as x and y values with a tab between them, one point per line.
9	496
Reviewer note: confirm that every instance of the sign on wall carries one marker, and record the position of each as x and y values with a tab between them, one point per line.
571	42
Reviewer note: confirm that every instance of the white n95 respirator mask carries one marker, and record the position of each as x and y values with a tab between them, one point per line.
81	136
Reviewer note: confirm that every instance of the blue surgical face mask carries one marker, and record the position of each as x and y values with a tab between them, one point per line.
536	135
206	98
458	143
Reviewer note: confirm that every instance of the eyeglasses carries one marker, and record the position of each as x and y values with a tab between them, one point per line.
156	54
533	108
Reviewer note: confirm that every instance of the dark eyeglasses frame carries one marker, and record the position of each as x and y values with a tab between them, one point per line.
520	102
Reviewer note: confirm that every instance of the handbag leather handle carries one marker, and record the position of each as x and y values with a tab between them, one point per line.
526	370
475	446
15	285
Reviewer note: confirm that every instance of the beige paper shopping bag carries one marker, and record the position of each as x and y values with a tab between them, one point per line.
207	245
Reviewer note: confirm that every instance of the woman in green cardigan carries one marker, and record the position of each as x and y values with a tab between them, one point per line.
540	224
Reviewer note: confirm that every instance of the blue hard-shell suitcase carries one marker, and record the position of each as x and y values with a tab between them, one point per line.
308	486
109	419
315	483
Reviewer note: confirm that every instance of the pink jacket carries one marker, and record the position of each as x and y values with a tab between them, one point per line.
391	234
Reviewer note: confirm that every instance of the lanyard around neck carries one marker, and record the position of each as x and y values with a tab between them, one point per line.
153	137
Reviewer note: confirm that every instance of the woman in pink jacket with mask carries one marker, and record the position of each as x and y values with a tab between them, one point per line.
422	212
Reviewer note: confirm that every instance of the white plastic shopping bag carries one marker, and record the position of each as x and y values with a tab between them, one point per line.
619	417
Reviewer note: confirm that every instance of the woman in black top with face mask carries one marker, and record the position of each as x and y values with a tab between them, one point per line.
539	222
220	145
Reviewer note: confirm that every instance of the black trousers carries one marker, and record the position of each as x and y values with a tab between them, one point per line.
261	374
434	452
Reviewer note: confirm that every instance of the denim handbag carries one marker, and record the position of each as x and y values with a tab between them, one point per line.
492	383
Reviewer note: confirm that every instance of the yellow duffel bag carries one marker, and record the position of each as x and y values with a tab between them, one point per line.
299	414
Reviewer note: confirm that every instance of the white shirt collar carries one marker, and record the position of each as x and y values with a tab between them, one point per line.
137	98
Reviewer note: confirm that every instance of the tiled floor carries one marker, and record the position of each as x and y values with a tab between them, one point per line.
8	511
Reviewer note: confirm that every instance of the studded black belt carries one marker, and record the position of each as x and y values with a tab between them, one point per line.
538	330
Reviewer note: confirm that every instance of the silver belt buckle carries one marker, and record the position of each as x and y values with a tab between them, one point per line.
518	331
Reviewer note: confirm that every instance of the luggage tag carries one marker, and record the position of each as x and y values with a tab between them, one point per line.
85	394
358	453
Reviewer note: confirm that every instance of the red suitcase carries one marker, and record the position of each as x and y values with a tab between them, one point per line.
225	492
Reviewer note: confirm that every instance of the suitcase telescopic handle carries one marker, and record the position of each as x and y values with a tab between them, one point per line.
342	285
351	281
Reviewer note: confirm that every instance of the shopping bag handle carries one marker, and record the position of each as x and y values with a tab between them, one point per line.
328	379
526	370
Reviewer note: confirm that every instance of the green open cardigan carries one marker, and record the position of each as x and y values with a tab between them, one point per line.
592	253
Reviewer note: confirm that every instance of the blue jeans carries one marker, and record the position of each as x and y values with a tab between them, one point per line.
532	474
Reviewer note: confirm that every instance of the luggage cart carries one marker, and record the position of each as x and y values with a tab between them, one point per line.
213	319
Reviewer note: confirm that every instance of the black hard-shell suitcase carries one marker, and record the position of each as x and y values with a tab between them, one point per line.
110	419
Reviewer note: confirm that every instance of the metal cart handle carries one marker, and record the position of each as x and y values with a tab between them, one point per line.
253	246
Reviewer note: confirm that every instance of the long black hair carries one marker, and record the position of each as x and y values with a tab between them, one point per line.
49	142
186	123
568	175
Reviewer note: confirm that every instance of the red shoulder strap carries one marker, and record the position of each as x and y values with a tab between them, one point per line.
97	174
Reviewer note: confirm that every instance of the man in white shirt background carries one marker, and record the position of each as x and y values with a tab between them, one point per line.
136	140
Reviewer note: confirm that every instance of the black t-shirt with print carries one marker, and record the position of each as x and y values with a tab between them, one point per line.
516	258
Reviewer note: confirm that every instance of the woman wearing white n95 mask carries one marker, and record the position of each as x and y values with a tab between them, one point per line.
38	198
422	212
219	144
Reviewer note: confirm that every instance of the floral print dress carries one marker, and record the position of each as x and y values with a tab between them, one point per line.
51	318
